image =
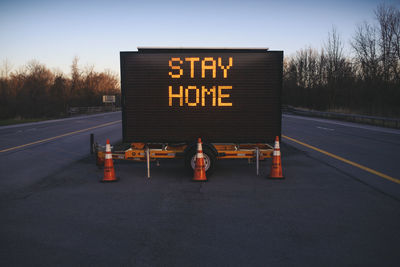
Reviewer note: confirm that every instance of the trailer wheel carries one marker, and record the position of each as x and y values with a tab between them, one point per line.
209	159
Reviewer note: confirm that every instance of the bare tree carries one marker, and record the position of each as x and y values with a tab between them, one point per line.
365	46
75	72
368	83
35	91
307	69
388	18
333	49
5	69
396	32
75	77
336	65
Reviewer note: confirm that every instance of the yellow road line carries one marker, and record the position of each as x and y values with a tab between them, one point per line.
59	136
382	175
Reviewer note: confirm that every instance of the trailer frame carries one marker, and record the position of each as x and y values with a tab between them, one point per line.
146	152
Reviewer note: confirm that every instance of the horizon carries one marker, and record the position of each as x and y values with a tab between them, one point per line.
54	33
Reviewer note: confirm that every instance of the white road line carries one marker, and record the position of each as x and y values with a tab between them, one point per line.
326	129
346	124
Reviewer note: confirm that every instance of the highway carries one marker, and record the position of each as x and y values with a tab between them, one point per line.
28	157
338	205
372	147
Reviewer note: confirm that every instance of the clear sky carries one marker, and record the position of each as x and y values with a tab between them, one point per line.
53	32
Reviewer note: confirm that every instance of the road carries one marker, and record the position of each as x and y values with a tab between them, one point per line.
326	212
373	147
26	160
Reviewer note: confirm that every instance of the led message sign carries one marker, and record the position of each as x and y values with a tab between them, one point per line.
177	95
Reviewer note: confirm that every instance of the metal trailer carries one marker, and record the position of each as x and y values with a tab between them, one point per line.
229	97
212	152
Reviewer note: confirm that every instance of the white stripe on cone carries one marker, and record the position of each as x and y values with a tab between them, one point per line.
276	144
108	156
277	153
199	147
199	150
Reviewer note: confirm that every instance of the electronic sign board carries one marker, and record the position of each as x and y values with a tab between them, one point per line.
220	95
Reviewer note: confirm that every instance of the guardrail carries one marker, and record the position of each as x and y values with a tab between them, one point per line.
372	120
90	110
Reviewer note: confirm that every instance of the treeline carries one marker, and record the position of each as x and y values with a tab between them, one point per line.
366	83
34	91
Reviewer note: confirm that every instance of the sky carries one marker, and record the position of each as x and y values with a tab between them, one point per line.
54	32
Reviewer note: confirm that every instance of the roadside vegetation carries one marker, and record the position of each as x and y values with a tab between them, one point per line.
367	82
35	92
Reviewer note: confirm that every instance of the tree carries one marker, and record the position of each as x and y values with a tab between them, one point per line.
59	94
33	91
304	78
337	68
35	95
389	28
5	69
75	79
365	46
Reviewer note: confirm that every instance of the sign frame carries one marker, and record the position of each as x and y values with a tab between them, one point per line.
145	71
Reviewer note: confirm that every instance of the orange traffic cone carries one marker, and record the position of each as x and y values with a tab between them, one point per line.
109	173
276	167
200	168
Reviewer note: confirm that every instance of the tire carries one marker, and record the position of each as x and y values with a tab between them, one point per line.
209	159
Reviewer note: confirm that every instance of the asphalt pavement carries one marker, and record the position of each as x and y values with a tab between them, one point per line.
26	157
54	211
373	147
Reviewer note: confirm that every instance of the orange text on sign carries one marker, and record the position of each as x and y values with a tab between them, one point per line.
209	66
193	96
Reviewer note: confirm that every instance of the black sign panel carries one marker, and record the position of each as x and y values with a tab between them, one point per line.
219	95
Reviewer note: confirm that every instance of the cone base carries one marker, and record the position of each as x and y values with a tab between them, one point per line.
109	181
198	180
276	178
